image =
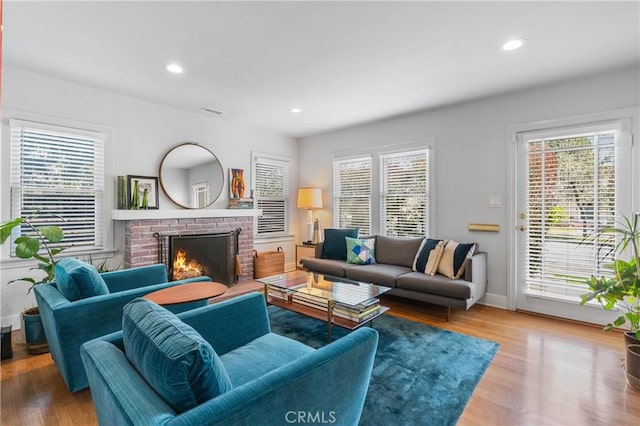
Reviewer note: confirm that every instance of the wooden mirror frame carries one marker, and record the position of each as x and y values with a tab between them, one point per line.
217	175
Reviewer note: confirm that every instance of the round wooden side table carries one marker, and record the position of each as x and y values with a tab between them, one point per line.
186	293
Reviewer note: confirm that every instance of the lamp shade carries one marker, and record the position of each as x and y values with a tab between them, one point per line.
309	198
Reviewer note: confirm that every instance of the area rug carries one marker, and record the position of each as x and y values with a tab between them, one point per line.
422	375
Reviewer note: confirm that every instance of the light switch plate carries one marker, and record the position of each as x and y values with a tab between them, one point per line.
495	201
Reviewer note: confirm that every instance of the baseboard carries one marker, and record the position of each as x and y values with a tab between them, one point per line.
494	300
14	320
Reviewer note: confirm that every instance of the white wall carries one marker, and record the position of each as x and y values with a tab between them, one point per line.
139	134
471	155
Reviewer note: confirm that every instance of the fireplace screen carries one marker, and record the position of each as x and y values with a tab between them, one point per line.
212	255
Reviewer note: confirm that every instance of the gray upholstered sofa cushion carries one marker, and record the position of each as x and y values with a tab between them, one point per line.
396	250
378	273
437	284
336	268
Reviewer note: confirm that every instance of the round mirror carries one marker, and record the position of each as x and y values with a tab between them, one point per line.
191	176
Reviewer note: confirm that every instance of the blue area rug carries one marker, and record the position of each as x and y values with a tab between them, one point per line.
422	375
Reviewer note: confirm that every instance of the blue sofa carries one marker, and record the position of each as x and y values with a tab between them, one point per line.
272	380
68	324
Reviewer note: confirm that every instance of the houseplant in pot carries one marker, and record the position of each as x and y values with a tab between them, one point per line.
621	291
35	244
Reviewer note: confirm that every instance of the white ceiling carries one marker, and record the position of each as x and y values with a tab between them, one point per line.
343	63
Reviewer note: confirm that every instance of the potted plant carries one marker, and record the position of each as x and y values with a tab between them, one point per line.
621	291
36	245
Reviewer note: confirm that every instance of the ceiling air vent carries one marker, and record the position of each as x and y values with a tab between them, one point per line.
211	111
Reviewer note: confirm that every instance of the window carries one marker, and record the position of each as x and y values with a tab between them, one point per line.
352	189
572	189
400	177
405	194
200	194
59	172
271	183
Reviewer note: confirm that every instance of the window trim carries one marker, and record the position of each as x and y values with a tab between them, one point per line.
336	197
627	116
376	152
47	122
256	156
383	185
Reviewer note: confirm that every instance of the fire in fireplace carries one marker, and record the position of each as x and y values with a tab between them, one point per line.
184	268
188	256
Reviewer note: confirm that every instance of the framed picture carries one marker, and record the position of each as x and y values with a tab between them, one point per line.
146	188
236	183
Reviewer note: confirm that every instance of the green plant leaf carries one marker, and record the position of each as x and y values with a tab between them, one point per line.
55	251
27	279
52	233
27	247
619	321
7	227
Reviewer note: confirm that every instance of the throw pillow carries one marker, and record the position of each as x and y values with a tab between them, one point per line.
454	258
335	245
428	256
76	279
361	251
172	357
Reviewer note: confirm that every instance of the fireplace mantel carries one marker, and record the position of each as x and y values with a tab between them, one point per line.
182	214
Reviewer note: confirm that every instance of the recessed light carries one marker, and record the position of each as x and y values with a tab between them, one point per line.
514	44
174	68
295	110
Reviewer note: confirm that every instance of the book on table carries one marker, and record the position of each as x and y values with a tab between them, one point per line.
361	317
353	313
359	307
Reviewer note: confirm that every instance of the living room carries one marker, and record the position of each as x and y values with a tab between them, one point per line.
469	134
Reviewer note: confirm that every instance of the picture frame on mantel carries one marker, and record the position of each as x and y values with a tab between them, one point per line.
148	183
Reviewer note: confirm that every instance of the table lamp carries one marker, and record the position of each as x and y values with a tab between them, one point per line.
310	198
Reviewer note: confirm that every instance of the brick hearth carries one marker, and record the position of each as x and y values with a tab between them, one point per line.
141	246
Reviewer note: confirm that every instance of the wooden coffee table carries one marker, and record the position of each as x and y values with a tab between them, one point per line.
186	293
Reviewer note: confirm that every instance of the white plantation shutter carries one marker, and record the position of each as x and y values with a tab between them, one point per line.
571	194
352	189
405	194
59	172
272	196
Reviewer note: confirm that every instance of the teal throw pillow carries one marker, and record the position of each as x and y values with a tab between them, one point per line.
361	251
76	279
172	357
334	245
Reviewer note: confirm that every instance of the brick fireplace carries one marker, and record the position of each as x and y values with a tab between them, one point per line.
141	244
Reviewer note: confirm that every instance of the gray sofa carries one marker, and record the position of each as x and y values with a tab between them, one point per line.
393	268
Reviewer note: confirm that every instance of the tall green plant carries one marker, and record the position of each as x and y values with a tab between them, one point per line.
621	292
28	247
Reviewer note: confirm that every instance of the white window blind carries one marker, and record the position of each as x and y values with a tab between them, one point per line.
352	189
59	172
571	194
272	196
405	194
200	194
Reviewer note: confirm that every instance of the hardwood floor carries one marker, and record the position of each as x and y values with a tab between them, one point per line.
546	372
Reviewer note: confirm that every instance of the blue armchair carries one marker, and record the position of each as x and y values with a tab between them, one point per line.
268	379
68	324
